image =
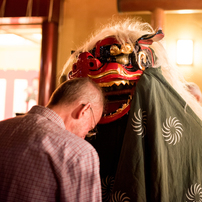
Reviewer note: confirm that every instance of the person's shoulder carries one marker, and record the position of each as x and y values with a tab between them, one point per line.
70	148
82	151
11	121
79	144
64	141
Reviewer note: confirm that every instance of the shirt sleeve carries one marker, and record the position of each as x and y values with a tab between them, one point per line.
81	179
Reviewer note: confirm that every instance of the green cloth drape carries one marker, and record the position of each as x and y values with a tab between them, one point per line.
161	156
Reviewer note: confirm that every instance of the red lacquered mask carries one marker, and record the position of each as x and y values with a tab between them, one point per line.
116	68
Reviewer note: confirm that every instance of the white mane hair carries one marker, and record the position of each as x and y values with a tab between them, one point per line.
129	30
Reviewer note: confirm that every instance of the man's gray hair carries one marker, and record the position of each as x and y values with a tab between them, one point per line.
77	89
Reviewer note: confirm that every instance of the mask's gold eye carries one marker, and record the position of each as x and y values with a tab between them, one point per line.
114	50
126	49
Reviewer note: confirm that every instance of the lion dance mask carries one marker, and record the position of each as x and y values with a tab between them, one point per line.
116	68
129	62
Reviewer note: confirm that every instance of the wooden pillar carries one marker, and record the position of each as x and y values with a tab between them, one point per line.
48	64
158	19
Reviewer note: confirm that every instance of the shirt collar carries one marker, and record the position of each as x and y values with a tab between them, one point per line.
49	114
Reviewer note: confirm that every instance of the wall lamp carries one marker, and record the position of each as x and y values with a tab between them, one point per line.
185	52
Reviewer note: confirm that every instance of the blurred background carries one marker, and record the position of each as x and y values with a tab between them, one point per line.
37	36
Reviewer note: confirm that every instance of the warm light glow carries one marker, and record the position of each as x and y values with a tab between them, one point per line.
184	52
3	98
185	11
20	95
12	39
37	36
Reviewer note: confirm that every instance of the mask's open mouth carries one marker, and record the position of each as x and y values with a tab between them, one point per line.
118	96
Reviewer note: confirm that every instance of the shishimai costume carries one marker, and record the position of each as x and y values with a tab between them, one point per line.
150	137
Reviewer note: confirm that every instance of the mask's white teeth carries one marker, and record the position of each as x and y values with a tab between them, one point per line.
118	110
124	82
122	107
118	83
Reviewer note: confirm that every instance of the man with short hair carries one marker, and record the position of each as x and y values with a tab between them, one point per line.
43	156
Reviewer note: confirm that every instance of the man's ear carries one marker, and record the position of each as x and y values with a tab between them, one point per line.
83	110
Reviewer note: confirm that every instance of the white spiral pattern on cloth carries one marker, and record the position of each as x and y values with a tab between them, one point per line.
139	122
172	130
119	197
107	186
194	193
